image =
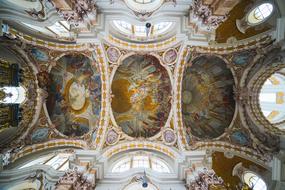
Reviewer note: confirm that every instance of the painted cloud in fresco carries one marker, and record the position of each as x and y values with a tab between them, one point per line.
39	55
207	97
74	100
141	92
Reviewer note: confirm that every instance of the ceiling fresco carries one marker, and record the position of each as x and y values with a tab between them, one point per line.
74	99
207	97
100	84
141	91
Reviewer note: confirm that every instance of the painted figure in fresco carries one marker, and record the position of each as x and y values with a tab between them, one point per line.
43	80
141	89
207	97
74	100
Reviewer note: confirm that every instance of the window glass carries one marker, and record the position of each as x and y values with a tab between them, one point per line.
254	182
272	98
59	29
267	97
263	11
14	95
159	166
260	13
122	165
140	30
140	161
58	161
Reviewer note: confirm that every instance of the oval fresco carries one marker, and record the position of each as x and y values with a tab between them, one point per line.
207	97
141	91
74	100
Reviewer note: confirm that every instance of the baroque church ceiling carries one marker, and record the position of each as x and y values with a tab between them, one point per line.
173	77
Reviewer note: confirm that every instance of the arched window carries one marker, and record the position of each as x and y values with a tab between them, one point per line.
12	95
60	29
141	161
272	98
260	13
254	181
139	31
59	161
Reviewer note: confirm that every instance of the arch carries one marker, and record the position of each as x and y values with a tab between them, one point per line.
135	145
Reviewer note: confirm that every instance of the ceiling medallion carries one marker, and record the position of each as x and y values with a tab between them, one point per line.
170	56
145	8
112	137
169	137
113	54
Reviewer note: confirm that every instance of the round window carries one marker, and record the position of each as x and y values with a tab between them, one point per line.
254	181
260	13
272	99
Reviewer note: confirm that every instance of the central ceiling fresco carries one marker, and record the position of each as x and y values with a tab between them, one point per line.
141	91
207	97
